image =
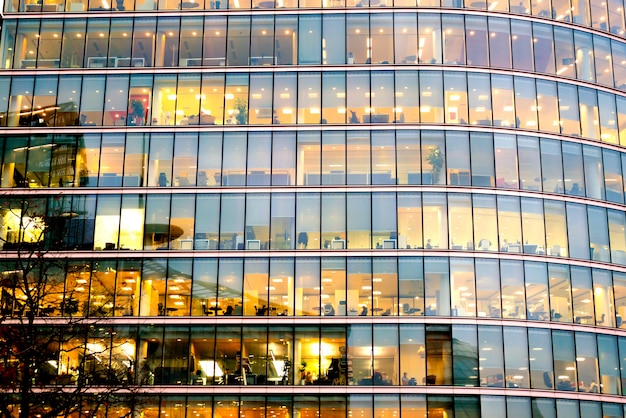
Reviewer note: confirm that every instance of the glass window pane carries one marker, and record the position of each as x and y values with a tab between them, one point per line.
435	220
359	222
437	286
587	359
412	367
463	284
603	298
617	236
582	294
598	234
232	226
537	303
547	106
459	219
609	364
455	96
551	166
540	345
488	289
406	97
500	41
465	353
516	356
384	229
257	231
431	97
533	226
529	163
309	98
556	230
560	295
491	359
506	161
458	158
613	176
482	158
522	44
564	360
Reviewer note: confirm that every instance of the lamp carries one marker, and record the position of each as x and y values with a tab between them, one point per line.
210	368
421	351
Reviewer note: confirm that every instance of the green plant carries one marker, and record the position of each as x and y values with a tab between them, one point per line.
242	107
136	111
435	159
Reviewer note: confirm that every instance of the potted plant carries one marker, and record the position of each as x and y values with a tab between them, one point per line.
136	112
302	370
241	106
435	159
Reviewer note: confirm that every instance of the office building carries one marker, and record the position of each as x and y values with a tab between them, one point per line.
323	208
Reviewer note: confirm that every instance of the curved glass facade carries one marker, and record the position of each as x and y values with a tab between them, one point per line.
402	221
386	208
378	38
402	97
410	286
338	355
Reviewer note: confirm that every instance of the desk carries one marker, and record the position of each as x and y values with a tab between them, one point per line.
376	310
530	248
389	244
130	62
110	180
253	244
515	248
382	178
262	60
41	8
170	310
203	244
41	63
215	309
197	62
101	62
338	244
537	315
189	5
258	178
76	7
238	379
186	244
46	311
281	179
376	118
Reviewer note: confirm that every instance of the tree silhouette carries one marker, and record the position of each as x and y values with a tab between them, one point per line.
58	354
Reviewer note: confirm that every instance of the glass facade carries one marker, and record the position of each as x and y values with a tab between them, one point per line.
386	208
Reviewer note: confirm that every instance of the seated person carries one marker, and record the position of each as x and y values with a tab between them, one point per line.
207	119
245	365
329	310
